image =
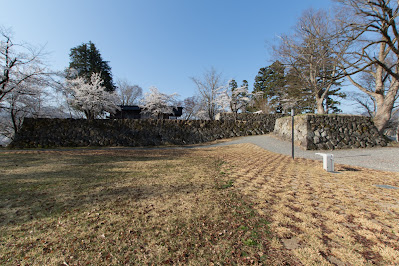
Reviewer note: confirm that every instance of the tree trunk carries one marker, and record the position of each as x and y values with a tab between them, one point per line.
384	100
320	105
14	122
383	113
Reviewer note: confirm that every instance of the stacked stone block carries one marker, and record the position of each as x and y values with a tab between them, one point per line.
45	133
328	132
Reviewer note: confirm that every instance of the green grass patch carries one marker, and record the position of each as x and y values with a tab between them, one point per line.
225	185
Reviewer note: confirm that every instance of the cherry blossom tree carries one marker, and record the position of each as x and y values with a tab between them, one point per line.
156	103
233	99
30	98
23	81
19	64
239	97
91	97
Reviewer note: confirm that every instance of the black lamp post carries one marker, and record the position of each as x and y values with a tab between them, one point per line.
292	132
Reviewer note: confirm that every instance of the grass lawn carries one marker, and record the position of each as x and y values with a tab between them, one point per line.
128	207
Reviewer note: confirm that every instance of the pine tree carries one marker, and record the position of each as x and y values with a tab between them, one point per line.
332	103
270	82
233	85
244	83
86	59
296	91
281	89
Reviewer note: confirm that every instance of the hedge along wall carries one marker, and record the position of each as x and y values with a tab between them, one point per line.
321	132
38	133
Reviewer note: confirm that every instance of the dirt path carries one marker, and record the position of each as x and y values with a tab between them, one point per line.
380	158
322	218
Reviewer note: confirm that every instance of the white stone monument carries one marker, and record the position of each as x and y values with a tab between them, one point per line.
328	161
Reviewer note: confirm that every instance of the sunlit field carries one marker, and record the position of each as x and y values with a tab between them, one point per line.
321	218
237	204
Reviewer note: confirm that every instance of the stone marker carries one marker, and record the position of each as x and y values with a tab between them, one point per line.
328	161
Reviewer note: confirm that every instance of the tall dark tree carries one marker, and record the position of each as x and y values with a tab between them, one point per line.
244	83
86	60
332	102
233	85
269	86
298	93
313	52
281	89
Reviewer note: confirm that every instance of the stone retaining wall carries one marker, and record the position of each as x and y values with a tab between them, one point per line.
127	132
248	117
321	132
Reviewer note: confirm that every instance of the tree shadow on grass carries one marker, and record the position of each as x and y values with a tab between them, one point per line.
38	191
349	169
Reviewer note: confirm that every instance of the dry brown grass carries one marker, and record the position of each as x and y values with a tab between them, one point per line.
127	207
321	218
193	207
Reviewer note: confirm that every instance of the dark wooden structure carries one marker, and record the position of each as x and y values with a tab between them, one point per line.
134	112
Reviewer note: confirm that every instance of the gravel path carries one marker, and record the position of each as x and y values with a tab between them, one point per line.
386	159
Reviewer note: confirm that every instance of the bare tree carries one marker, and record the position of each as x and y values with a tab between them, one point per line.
366	101
373	29
209	87
128	94
259	104
313	53
23	79
19	63
21	103
192	107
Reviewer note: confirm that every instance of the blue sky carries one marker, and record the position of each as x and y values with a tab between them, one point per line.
160	43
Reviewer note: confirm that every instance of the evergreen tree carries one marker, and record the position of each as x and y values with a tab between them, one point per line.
280	89
270	83
244	83
86	60
297	92
305	101
331	103
233	85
